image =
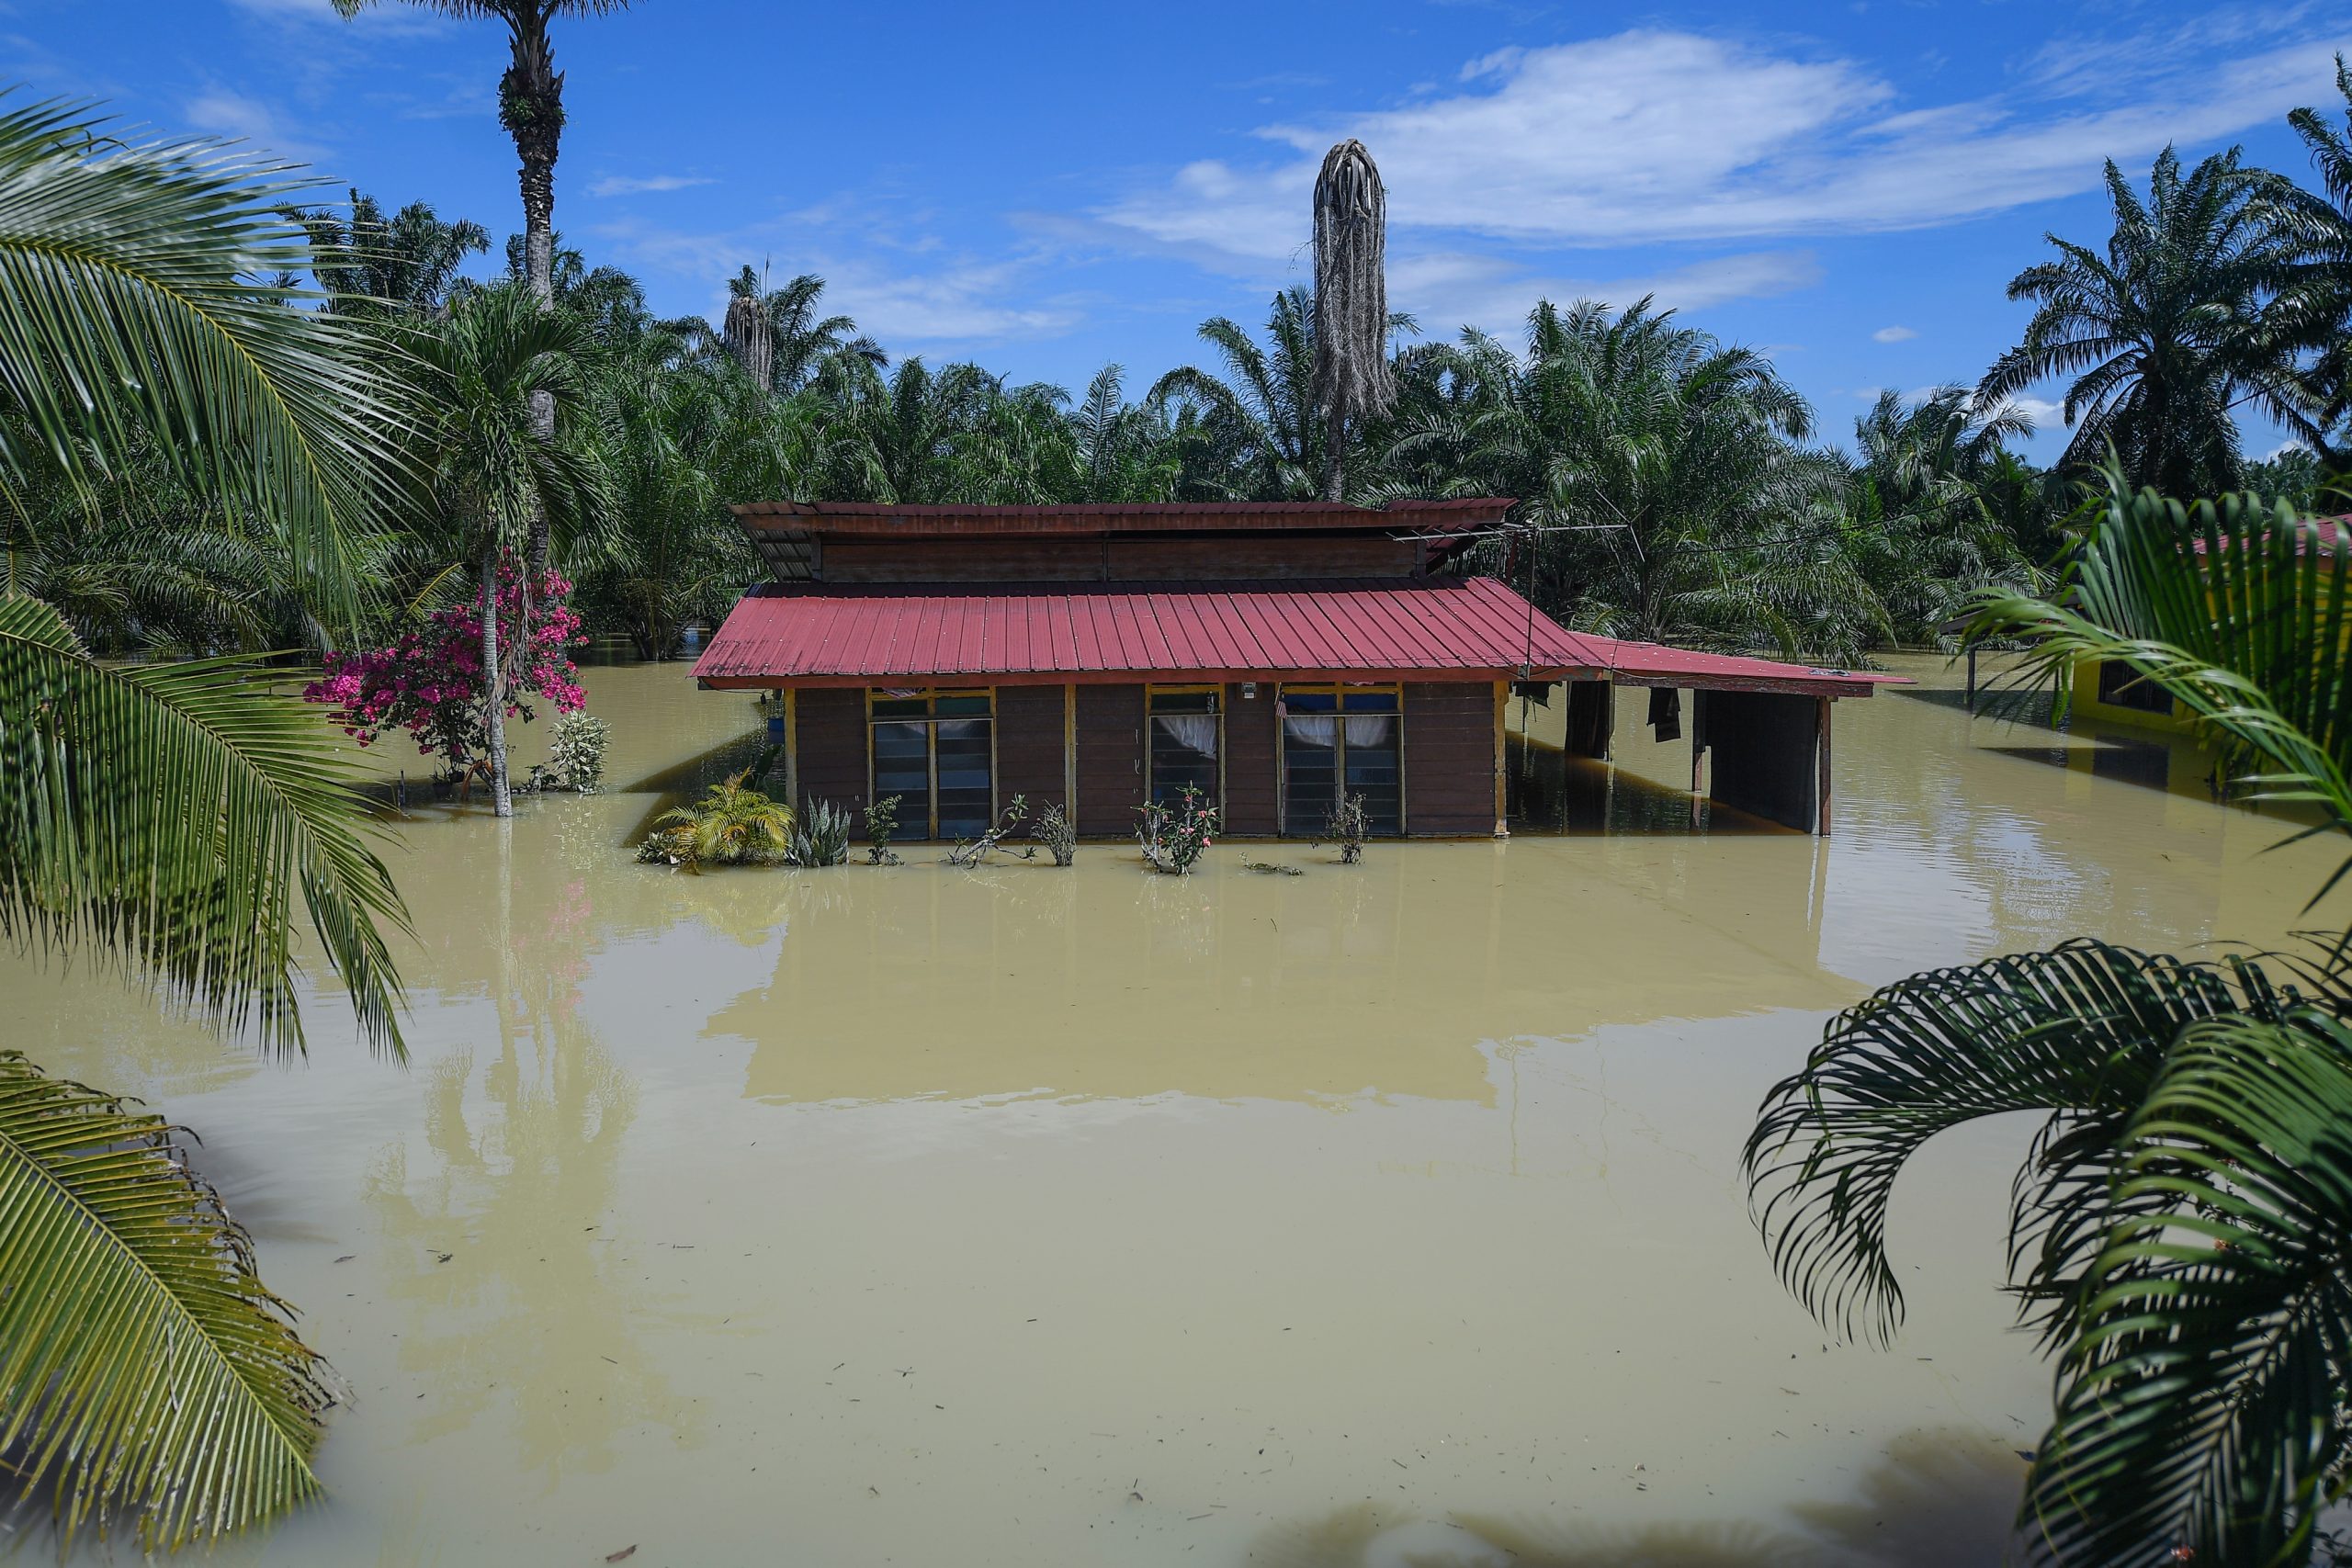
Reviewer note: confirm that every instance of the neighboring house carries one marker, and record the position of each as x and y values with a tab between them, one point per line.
1270	656
2112	691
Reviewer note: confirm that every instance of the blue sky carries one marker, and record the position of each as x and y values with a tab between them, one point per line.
1046	188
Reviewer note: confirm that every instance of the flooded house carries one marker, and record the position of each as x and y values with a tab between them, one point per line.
1268	656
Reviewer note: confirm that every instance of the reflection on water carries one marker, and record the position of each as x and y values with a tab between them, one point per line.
1029	1215
1934	1500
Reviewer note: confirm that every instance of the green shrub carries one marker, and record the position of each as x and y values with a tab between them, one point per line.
576	753
821	834
733	824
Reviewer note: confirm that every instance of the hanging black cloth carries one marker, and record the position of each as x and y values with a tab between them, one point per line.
1666	712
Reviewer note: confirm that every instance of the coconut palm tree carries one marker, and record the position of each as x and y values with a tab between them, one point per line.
493	476
2181	1233
2165	334
166	818
530	105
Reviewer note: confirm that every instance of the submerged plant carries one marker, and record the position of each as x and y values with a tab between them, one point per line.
1054	831
881	822
973	851
1270	868
821	834
1348	826
1174	836
733	824
576	753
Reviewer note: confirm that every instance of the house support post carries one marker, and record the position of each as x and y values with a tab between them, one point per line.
792	748
1821	788
1502	765
1069	756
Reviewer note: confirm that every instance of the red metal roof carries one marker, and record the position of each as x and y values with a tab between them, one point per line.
866	517
1372	628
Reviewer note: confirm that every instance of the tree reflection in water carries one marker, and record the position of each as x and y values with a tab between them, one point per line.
1933	1500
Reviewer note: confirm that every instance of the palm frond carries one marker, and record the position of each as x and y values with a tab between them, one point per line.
129	306
2202	1410
2077	1032
161	816
145	1370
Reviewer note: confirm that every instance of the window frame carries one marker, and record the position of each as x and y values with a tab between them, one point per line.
1337	691
1150	733
929	697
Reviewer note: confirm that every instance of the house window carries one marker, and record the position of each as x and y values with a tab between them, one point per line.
1335	736
936	752
2124	687
1185	743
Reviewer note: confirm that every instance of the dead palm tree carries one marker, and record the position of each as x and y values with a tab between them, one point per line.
1351	372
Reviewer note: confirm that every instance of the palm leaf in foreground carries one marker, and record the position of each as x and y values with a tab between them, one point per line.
144	1369
161	816
132	319
2077	1032
2203	1403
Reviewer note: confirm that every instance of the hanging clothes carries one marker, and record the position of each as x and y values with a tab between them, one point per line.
1666	712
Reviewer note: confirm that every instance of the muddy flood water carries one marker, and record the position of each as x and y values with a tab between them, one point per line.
1384	1213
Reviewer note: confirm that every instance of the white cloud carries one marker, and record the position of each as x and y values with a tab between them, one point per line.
1659	136
1446	289
628	185
223	112
957	305
1893	334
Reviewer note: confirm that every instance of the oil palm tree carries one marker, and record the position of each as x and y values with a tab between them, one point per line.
1254	434
1661	477
2165	334
409	261
2181	1231
800	340
493	476
165	819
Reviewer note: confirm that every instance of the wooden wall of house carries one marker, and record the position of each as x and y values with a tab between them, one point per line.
1450	757
1764	763
1130	559
1251	736
1110	759
1029	746
828	749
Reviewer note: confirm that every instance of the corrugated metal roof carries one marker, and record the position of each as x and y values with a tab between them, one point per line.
1357	629
866	517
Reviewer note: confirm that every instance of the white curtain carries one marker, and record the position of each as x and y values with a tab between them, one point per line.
1193	731
1369	728
1312	728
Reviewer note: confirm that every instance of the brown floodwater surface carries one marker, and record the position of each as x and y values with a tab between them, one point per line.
1028	1215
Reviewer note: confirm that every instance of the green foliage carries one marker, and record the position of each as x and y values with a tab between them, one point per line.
881	823
1348	827
2165	334
821	834
576	747
162	817
1054	831
1175	836
171	352
733	824
2181	1231
145	1370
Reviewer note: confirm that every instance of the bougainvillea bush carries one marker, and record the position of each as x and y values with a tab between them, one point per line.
429	681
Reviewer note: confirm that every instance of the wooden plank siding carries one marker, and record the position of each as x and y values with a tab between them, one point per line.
1252	734
1449	758
1116	560
1110	759
1029	748
828	749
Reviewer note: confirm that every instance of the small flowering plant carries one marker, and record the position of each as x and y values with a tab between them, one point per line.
430	682
1173	836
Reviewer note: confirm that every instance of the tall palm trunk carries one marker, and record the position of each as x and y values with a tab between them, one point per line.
1351	371
530	105
494	684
